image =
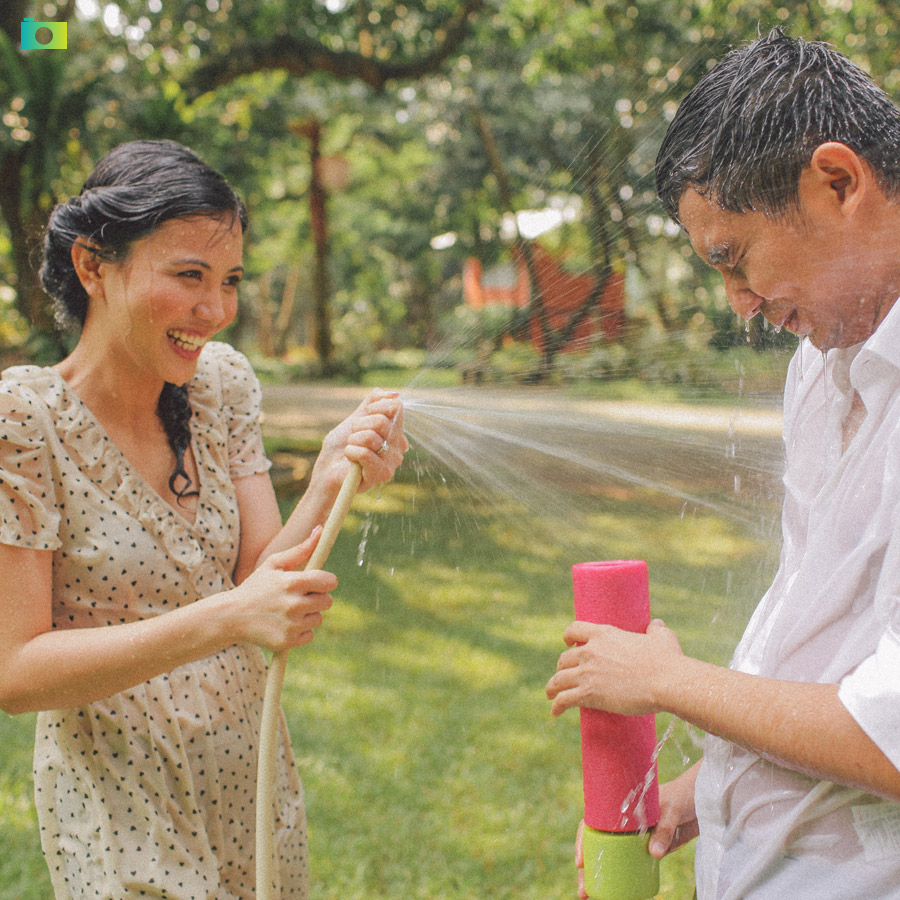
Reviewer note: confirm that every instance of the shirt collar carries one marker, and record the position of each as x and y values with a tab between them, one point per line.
876	358
885	341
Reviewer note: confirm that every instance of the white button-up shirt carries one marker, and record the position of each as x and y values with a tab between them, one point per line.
832	615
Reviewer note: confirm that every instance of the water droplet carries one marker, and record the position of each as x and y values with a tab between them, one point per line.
364	542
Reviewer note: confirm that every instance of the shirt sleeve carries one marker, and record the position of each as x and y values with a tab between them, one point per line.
870	695
242	408
28	511
871	691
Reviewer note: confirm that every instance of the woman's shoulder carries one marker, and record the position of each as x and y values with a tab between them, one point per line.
27	433
227	401
222	353
224	379
223	361
28	379
28	391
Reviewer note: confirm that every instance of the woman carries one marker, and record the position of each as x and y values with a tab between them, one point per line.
143	562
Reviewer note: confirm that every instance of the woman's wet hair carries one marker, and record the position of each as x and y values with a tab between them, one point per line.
746	131
133	190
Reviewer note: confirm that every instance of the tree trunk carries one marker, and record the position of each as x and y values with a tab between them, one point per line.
286	309
264	315
536	308
318	212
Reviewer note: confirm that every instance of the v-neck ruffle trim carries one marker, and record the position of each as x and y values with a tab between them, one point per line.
214	395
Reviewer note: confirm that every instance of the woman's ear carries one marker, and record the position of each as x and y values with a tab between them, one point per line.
836	177
87	262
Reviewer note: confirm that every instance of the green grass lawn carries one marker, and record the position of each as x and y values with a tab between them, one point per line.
432	766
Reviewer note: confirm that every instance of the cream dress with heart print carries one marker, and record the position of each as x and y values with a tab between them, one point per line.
150	792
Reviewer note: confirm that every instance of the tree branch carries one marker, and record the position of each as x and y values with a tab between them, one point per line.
303	56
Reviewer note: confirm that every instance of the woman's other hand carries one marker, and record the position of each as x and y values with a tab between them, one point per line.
278	607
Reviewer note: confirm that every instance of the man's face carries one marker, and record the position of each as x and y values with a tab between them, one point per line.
803	272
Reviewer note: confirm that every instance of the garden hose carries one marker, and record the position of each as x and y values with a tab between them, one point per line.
268	732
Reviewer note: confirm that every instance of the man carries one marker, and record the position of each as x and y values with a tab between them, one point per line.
783	167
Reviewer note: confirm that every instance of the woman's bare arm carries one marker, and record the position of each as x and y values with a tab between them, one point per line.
46	668
378	421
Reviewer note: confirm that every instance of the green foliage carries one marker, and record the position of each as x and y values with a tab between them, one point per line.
272	370
576	95
23	874
13	328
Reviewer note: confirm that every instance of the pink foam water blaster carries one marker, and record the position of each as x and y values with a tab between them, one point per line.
618	753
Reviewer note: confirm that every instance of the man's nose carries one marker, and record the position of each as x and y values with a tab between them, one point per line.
741	299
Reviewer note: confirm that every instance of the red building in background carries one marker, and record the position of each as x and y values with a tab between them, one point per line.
565	296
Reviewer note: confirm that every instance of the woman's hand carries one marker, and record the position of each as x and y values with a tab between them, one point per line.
277	607
372	437
614	670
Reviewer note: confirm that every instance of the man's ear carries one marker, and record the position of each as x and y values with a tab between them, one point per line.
836	177
87	262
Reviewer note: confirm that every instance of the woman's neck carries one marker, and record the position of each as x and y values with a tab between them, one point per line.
112	389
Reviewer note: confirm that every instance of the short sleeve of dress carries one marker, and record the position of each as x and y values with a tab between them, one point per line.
28	512
242	408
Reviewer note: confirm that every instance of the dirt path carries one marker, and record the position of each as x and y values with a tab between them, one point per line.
307	411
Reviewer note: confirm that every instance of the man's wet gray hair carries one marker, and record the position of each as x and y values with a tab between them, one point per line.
749	127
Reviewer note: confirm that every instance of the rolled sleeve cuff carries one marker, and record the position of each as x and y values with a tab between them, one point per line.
871	694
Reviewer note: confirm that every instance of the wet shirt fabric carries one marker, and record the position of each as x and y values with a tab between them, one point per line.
832	615
150	792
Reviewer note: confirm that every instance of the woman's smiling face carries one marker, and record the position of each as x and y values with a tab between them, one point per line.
171	293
